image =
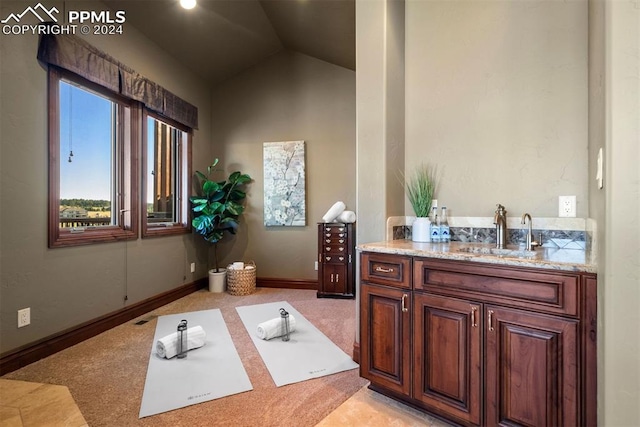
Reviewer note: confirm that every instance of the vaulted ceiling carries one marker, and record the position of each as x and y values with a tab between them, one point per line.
220	38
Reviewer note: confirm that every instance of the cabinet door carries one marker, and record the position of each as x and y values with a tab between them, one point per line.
384	337
531	369
334	280
447	352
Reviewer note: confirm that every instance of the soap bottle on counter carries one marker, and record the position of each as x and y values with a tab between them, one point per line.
445	234
435	225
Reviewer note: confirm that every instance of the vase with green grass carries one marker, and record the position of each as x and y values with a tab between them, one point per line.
420	188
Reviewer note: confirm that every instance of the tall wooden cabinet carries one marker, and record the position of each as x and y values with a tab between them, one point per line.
336	260
480	344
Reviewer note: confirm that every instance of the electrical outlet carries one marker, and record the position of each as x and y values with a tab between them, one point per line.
193	267
24	317
567	206
316	265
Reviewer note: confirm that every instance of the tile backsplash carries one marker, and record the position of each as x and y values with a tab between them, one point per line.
555	232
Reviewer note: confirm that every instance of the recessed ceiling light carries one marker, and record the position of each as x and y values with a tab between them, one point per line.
188	4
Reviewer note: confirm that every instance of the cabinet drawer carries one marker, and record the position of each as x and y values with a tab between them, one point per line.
551	292
334	249
334	240
390	270
336	259
335	229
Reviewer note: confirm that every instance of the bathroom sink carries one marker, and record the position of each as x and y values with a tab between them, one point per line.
483	250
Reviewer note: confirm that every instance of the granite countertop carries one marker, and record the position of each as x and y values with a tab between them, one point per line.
548	258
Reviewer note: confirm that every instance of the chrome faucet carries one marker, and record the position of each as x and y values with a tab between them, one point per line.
530	244
500	220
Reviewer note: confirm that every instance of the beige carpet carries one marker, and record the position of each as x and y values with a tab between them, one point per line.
106	374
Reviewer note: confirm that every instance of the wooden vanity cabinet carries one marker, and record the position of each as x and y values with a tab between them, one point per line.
385	320
386	361
488	345
447	356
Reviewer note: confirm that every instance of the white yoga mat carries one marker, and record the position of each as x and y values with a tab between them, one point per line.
308	354
209	372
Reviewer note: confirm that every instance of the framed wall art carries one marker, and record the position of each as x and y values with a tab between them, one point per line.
284	184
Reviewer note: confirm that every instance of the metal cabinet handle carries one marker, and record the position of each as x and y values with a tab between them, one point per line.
404	306
332	278
384	270
491	321
474	323
337	278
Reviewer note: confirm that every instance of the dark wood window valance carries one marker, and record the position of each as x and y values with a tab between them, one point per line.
78	56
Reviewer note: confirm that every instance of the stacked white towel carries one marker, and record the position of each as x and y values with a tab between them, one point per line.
334	211
273	328
168	346
347	217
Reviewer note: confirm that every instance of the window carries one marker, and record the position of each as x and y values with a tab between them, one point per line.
166	172
93	140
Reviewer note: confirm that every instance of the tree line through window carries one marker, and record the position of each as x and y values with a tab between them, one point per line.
110	159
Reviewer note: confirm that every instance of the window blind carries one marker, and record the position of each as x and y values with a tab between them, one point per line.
78	56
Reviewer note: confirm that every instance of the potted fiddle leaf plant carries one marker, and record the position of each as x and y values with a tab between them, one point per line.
216	211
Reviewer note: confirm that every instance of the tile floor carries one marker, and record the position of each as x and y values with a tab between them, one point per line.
367	408
27	404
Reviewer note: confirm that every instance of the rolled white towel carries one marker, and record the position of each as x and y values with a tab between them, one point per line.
334	211
347	217
168	346
273	328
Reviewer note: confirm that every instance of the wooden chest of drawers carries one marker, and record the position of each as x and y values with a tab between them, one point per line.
336	260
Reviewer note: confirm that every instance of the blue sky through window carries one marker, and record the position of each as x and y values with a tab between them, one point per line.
86	127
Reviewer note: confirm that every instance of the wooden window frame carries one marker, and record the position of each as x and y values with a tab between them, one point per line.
183	182
126	178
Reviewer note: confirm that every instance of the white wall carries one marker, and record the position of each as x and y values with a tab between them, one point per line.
68	286
288	97
496	97
619	318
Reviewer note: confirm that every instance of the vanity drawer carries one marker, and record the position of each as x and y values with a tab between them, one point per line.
390	270
545	291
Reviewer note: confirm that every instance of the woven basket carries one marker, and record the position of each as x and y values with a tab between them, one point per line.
241	282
